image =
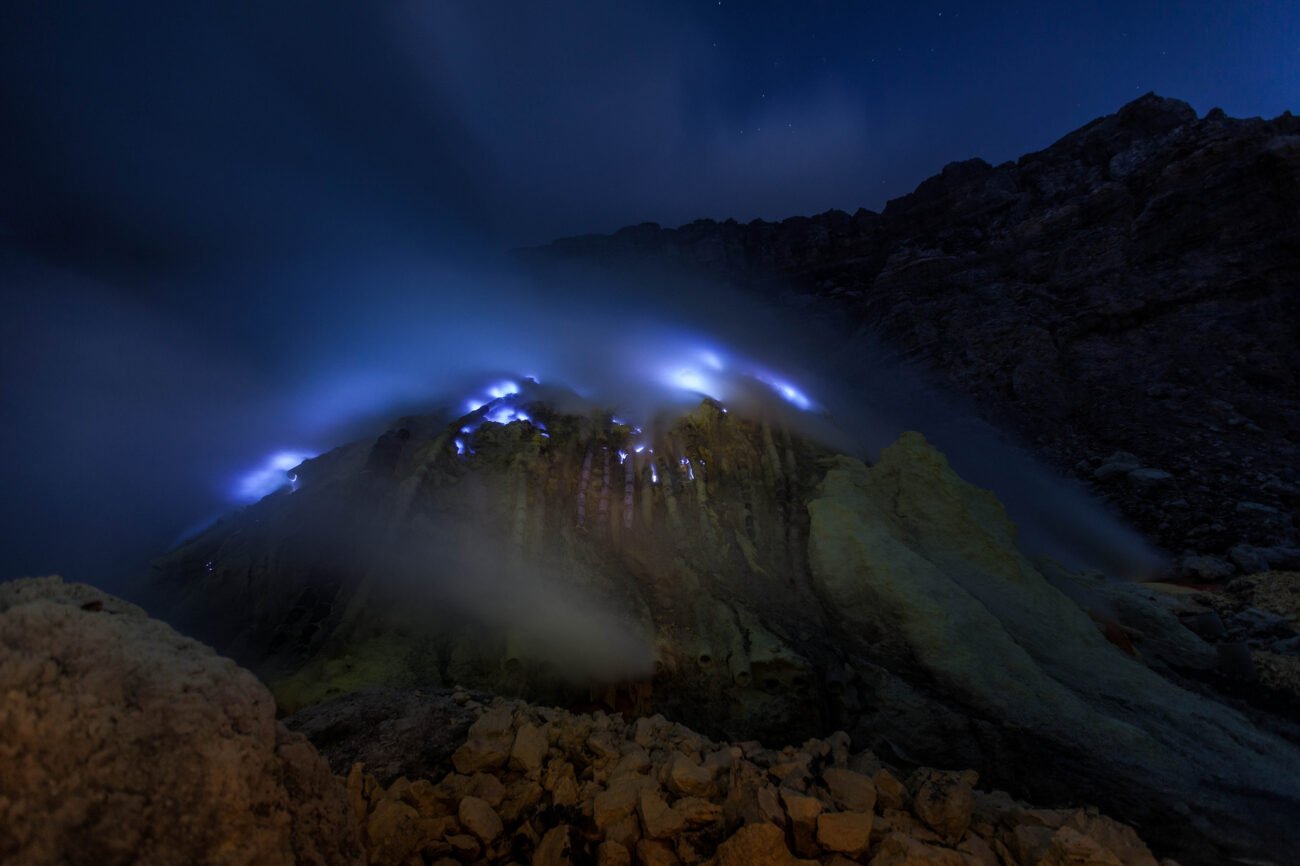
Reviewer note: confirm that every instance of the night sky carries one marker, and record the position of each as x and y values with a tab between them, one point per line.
212	214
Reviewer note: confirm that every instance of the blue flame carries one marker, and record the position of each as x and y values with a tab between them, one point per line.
270	476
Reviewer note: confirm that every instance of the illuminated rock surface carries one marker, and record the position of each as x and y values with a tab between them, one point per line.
773	591
123	742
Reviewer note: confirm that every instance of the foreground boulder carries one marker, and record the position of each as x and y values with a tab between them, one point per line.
123	742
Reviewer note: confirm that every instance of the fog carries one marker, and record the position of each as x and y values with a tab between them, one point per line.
230	233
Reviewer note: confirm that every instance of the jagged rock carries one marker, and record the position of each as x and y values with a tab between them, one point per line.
758	845
394	732
529	749
900	850
652	853
613	854
844	832
851	791
478	817
689	778
890	792
944	801
618	801
802	813
124	742
393	832
556	848
698	812
657	819
1071	848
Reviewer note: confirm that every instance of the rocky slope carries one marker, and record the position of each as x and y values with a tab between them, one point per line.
753	585
536	785
124	742
1123	300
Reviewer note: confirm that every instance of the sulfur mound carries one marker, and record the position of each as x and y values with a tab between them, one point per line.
123	742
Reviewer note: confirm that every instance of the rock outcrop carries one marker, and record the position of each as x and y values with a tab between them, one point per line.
747	582
123	742
647	791
1123	300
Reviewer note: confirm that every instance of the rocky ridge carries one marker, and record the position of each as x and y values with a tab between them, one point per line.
1124	301
541	786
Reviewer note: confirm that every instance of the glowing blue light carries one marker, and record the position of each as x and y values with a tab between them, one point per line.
691	380
654	474
711	359
460	446
503	389
788	391
270	476
622	457
474	405
638	449
614	420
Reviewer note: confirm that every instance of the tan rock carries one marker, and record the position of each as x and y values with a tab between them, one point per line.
652	853
898	821
898	849
478	817
603	746
613	854
617	802
944	801
634	760
802	812
866	763
122	741
496	723
844	832
758	845
1120	839
528	752
890	793
1069	847
555	849
852	792
978	850
560	780
521	796
424	797
488	788
769	805
839	743
625	831
481	753
658	820
698	812
1027	844
689	778
463	845
393	832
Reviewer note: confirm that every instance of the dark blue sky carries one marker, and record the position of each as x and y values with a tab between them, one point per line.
210	212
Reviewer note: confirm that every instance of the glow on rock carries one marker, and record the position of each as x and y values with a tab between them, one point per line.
270	476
